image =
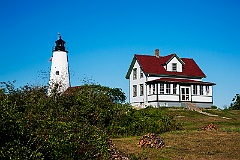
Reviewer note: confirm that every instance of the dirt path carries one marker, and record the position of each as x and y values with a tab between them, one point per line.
197	109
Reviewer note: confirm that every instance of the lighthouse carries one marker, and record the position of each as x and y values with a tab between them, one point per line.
59	74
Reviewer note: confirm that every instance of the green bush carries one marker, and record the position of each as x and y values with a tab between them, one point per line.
235	105
213	107
131	122
34	126
74	125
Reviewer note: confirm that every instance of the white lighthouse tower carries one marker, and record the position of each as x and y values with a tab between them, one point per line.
59	74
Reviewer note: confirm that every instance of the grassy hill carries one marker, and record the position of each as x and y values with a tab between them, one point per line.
80	123
192	142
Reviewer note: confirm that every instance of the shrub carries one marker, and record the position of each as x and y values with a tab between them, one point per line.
75	125
235	105
213	107
131	122
34	126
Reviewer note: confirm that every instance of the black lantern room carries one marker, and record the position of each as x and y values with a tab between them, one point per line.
60	44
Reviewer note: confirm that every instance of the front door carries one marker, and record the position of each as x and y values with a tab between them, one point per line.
185	93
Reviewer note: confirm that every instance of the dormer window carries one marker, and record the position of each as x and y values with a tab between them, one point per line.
174	64
174	67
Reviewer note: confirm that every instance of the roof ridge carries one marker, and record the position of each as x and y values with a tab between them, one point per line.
186	58
153	55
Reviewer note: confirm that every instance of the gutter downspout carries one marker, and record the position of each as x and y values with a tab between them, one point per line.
146	88
212	93
129	86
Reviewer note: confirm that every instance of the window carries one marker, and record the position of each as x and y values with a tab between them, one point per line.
141	90
57	72
168	88
153	86
141	73
134	90
174	88
195	89
183	94
135	73
150	88
174	67
187	94
207	90
161	88
201	90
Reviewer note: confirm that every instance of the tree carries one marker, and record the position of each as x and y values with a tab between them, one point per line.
114	95
36	126
235	105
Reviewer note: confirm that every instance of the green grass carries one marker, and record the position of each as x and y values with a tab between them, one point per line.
192	142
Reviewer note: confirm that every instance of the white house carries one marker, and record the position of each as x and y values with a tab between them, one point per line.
167	81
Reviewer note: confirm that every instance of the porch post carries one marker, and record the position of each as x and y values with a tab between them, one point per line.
157	96
179	93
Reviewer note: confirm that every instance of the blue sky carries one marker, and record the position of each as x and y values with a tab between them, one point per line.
102	37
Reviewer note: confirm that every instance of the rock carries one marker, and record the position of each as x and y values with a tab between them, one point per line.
151	140
210	127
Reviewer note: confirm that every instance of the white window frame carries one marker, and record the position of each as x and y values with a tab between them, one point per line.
141	73
141	90
207	90
153	89
174	67
200	89
168	88
150	89
161	88
135	73
195	89
174	88
134	90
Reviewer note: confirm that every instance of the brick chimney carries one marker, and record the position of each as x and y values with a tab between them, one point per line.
157	53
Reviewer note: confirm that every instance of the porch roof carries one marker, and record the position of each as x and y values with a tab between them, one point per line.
180	81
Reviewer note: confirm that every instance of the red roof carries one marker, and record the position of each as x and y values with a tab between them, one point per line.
155	66
71	90
174	80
